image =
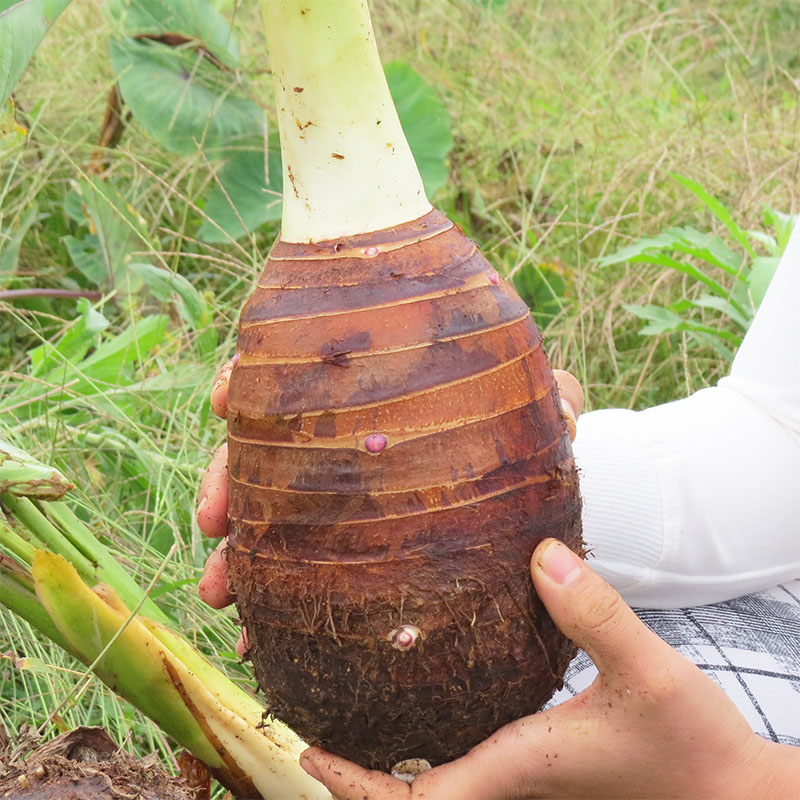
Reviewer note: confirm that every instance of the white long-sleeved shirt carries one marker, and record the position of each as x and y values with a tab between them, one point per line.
698	500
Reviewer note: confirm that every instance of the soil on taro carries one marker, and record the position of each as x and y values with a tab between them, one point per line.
84	764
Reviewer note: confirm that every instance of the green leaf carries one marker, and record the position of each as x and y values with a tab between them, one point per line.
661	260
782	224
248	195
170	287
107	363
114	363
196	19
712	340
718	210
665	320
425	122
73	345
768	241
661	319
706	247
11	241
687	240
761	274
663	241
103	255
22	27
183	100
726	307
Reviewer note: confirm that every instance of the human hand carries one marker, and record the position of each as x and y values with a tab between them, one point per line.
652	725
212	510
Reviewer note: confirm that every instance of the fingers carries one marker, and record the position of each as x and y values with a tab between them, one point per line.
591	613
213	587
219	391
570	390
242	645
212	510
500	767
348	781
571	398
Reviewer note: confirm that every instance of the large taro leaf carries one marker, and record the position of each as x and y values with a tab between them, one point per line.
23	24
196	19
183	99
425	122
247	195
249	186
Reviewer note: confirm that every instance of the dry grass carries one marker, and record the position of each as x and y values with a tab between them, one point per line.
569	120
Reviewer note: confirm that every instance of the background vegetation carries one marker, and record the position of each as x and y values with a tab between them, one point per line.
570	121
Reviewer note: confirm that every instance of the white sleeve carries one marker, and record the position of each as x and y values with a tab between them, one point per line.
698	501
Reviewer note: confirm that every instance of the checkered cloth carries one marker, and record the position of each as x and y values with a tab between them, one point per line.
750	646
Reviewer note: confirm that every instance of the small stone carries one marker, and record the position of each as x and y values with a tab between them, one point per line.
409	769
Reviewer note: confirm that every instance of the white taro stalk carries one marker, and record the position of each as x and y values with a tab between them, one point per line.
347	167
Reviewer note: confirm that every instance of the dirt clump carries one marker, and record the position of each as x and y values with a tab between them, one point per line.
83	764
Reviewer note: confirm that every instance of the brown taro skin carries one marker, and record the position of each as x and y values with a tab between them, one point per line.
396	452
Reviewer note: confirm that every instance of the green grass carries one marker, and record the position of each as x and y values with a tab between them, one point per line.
568	117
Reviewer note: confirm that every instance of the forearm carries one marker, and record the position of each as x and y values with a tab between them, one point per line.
691	502
696	501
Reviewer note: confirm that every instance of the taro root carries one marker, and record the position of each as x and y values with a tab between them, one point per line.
396	444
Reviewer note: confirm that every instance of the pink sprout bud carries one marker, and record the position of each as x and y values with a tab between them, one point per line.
494	278
371	252
404	637
375	442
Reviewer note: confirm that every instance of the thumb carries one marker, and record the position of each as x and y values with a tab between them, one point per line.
348	781
591	613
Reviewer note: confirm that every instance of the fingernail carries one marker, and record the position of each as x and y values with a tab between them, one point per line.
308	765
559	563
568	413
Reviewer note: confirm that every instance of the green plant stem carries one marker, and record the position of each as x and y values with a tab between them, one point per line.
25	476
72	539
107	569
22	549
24	603
35	522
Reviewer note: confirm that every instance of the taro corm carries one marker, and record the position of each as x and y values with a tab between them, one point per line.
396	445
